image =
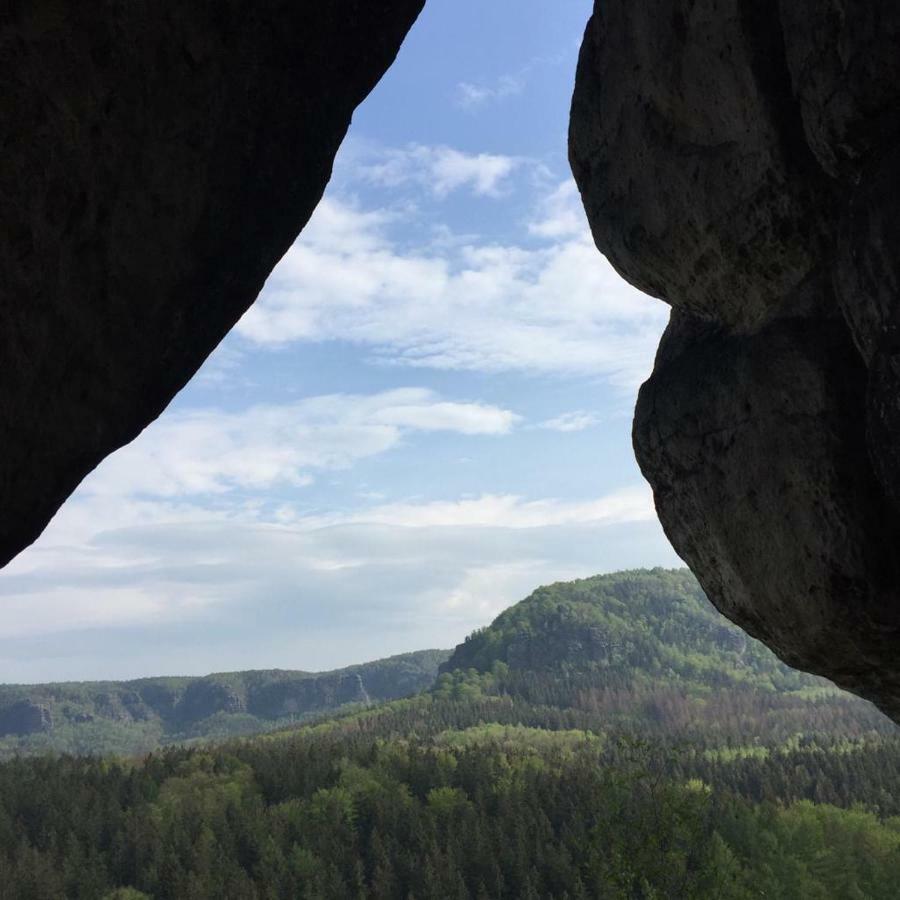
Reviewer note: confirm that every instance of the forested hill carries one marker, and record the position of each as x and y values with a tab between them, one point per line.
612	737
639	624
647	648
642	649
137	716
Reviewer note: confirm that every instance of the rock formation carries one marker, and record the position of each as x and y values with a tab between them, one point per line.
738	159
189	705
157	161
25	717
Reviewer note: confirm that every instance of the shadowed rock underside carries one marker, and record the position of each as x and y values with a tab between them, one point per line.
157	161
738	159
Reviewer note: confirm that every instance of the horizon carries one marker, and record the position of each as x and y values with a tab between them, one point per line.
425	415
363	662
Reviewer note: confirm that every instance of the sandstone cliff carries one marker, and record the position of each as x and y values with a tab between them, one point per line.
739	160
158	159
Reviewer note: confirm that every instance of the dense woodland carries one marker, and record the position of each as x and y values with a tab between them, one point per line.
134	717
539	770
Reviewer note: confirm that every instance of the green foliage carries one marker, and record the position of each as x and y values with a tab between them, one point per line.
485	811
610	738
646	650
657	622
135	717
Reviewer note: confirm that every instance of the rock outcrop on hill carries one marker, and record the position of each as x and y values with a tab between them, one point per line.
739	160
24	717
158	159
137	716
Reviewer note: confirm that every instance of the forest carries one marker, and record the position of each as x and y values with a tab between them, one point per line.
134	717
538	765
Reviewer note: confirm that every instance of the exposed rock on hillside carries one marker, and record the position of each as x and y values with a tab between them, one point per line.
135	716
158	159
24	717
739	160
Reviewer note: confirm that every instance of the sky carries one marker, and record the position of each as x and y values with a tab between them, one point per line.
425	415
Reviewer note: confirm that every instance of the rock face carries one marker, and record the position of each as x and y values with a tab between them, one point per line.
158	159
738	159
24	718
185	705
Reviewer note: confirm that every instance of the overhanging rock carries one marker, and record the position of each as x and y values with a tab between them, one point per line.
157	160
739	159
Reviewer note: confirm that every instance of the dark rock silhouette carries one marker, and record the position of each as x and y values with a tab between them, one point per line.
158	159
736	158
739	160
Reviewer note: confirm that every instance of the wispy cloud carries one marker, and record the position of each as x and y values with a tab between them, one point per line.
201	526
549	304
633	504
208	451
441	170
308	593
473	96
470	96
249	528
508	511
570	421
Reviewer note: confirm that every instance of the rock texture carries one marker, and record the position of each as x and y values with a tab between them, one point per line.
157	160
739	160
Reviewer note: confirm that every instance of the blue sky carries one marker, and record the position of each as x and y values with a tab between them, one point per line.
425	415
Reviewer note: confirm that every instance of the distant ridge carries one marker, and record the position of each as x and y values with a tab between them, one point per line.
642	650
137	716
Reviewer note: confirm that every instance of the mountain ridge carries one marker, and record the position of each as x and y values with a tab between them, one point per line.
588	755
138	714
638	649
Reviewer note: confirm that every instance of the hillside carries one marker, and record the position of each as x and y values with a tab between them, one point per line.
643	650
646	649
643	624
610	737
137	716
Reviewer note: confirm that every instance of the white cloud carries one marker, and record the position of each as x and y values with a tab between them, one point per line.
570	421
108	606
508	511
188	550
441	170
212	452
222	368
555	307
471	97
474	96
309	594
560	214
